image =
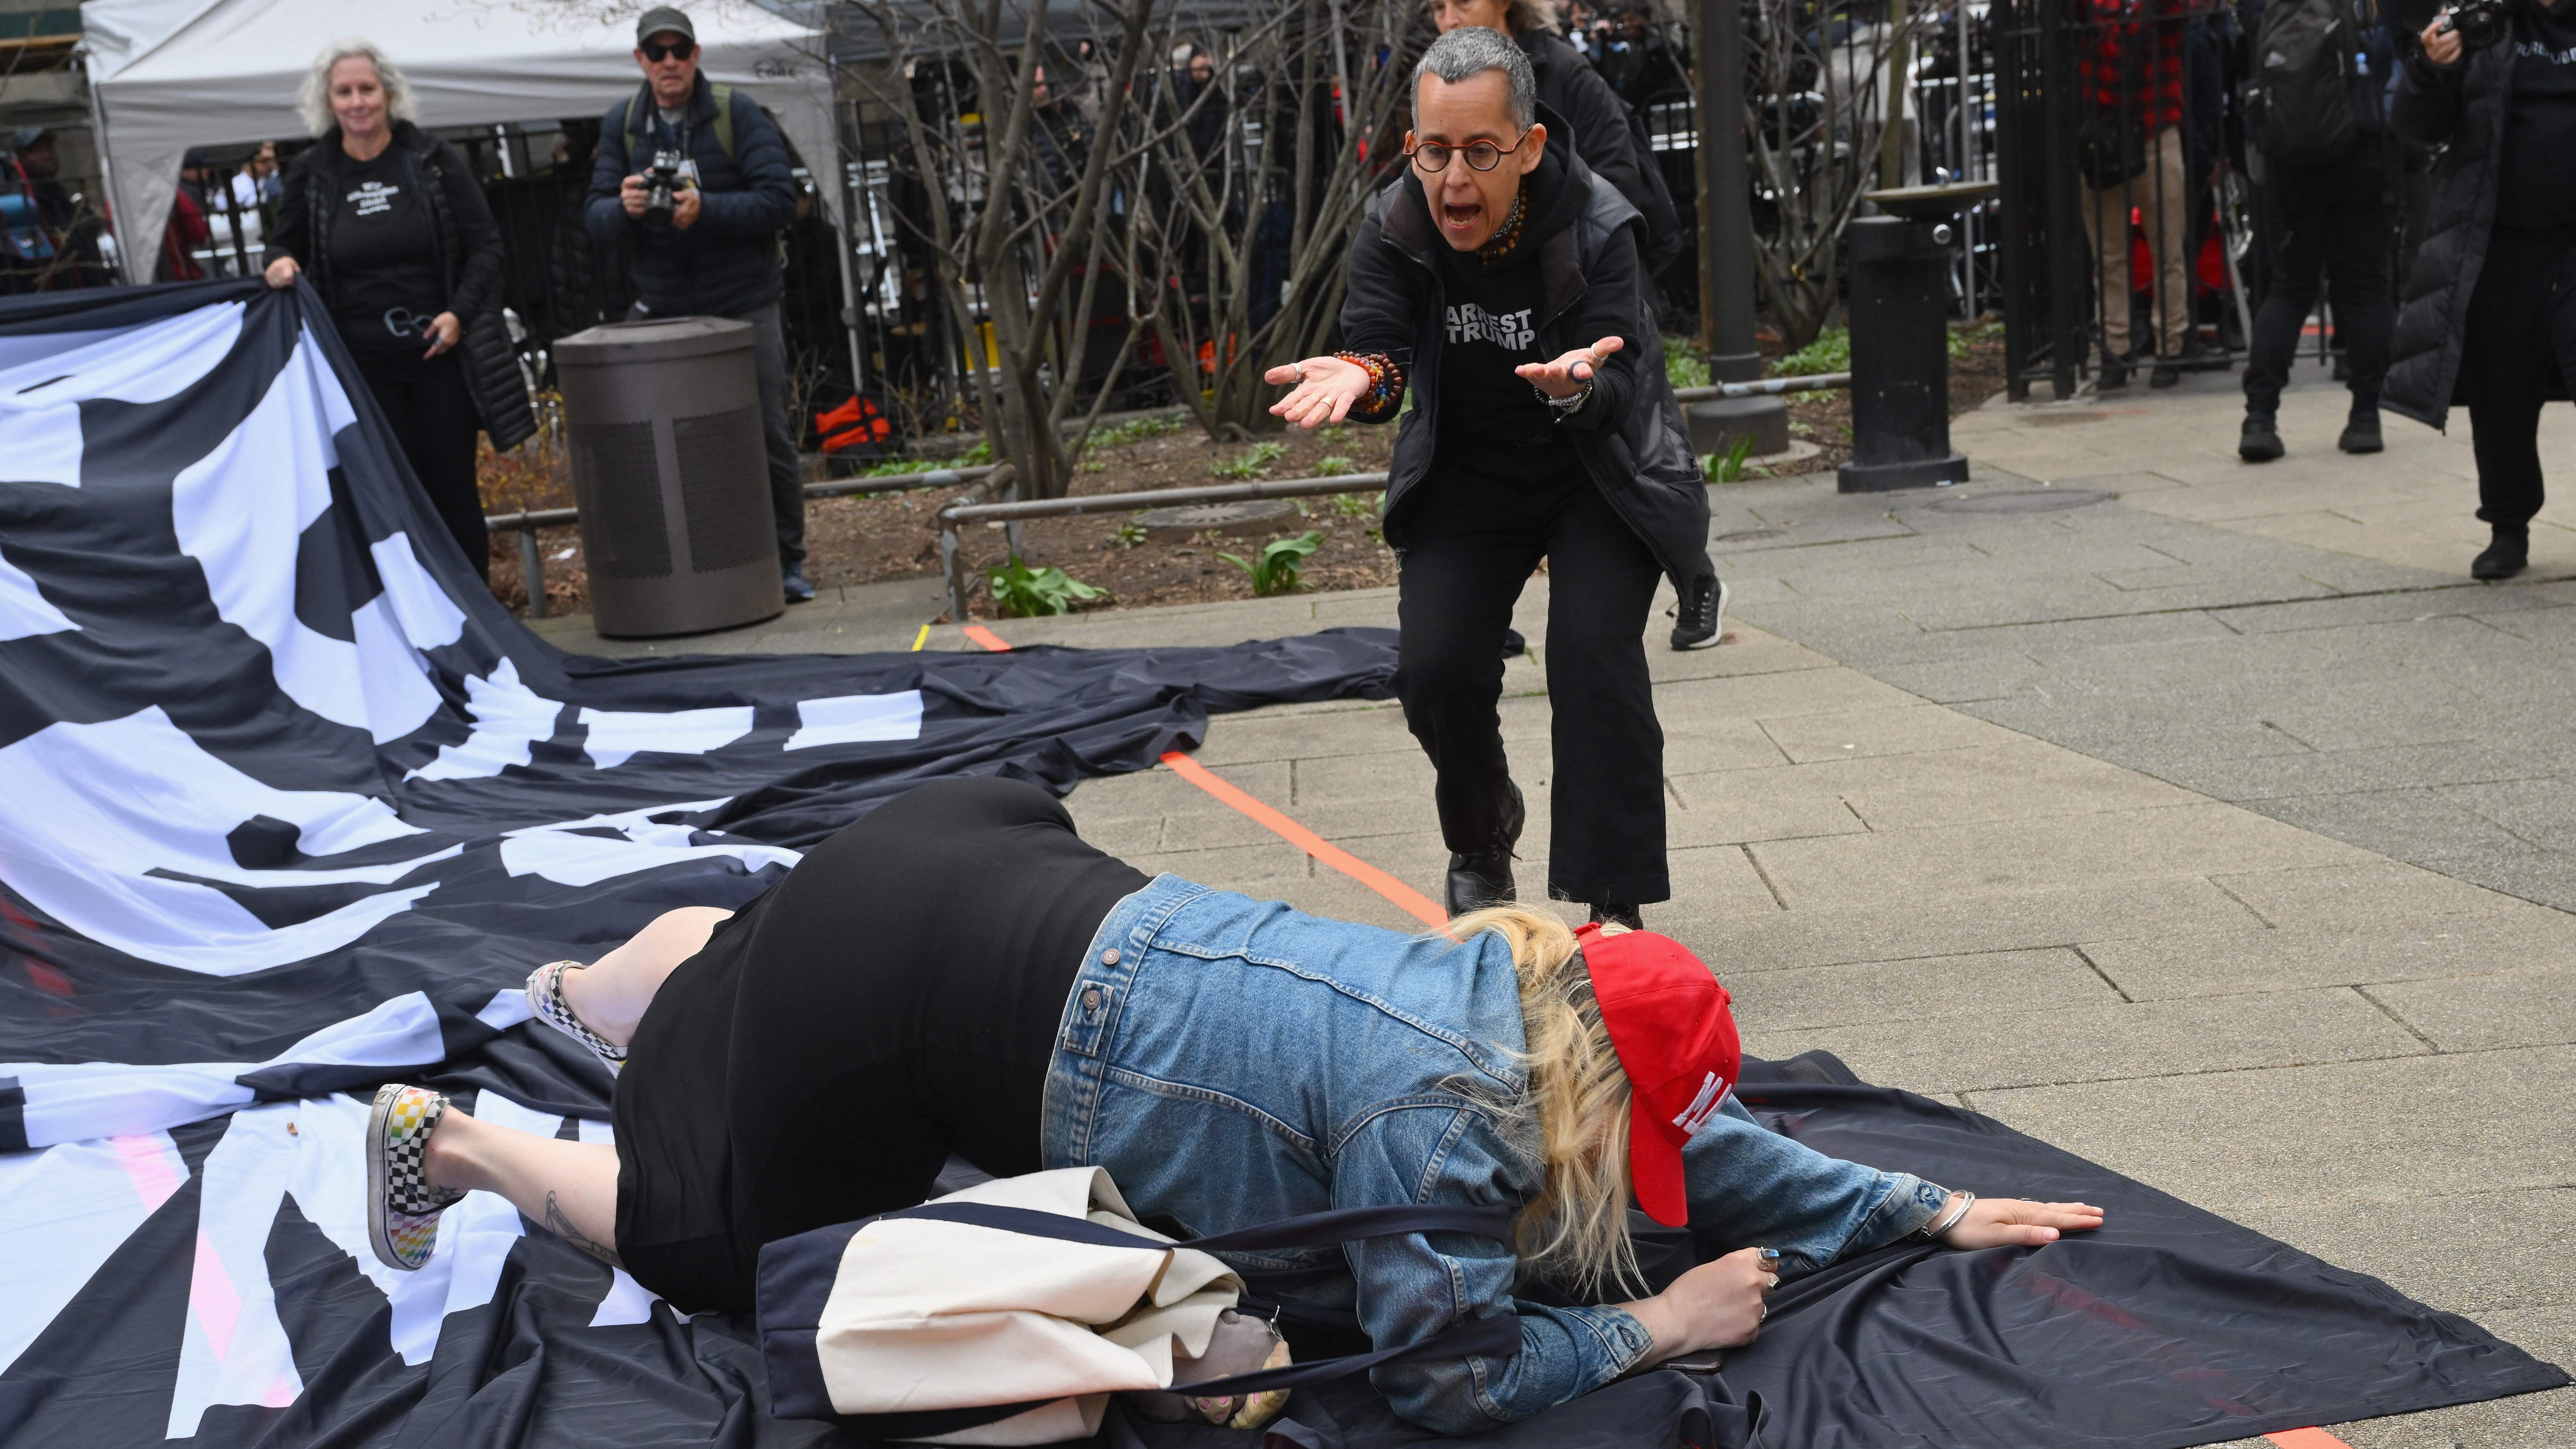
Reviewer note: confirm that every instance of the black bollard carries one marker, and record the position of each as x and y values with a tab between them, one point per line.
1900	360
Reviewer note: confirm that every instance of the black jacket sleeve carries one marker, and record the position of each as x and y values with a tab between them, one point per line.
478	236
292	233
606	211
2427	109
1572	89
767	202
1382	302
1613	305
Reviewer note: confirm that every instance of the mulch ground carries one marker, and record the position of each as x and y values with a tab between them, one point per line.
879	537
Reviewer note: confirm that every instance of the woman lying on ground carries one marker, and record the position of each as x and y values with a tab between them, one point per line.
960	973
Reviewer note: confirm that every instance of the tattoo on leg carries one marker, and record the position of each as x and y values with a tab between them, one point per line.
561	1226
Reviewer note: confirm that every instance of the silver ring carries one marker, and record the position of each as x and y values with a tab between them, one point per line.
1773	1283
1765	1312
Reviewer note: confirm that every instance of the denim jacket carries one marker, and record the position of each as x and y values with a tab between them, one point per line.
1233	1061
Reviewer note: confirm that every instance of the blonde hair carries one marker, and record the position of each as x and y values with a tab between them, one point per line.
1575	1232
313	102
1525	16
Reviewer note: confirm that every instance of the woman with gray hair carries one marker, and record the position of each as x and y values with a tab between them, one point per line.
390	225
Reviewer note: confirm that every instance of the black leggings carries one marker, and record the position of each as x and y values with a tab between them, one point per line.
433	419
892	1001
2518	348
1470	547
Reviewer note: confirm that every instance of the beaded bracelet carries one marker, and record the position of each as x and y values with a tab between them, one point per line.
1386	383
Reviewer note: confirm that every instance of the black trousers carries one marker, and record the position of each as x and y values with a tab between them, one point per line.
434	421
1471	546
2339	219
2519	347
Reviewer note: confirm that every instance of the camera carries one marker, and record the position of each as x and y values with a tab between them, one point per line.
2478	23
660	180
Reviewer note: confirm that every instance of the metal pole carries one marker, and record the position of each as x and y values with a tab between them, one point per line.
2069	269
532	569
953	569
1725	197
1891	131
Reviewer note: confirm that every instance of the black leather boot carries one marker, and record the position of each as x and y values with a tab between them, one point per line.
1606	913
2505	557
1482	878
2361	432
2260	441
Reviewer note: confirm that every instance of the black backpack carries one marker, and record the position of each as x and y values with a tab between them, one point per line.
2300	94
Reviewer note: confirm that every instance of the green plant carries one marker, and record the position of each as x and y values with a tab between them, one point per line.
1684	364
1251	463
1351	505
1727	467
1021	592
1333	463
1137	430
1129	534
1830	352
1282	563
1332	435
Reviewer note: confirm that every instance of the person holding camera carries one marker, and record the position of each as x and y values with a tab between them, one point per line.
693	178
392	228
2488	317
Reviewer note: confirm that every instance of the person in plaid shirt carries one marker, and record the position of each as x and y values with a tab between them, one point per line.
2131	67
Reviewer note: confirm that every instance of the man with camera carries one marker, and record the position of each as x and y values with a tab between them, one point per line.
2488	316
693	180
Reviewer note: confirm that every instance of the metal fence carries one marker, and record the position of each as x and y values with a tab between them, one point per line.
2127	230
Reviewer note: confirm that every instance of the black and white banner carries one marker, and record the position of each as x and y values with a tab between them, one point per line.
289	806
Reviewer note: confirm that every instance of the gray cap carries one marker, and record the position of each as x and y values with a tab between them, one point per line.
660	18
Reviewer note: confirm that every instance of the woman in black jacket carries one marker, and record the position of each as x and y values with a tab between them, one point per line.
392	228
2488	318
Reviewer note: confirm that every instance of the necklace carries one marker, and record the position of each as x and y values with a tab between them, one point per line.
1500	248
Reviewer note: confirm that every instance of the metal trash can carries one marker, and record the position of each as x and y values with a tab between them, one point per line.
672	475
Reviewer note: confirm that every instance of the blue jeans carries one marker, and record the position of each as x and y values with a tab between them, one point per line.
1233	1061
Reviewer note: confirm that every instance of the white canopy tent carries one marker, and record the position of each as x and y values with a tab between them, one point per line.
167	75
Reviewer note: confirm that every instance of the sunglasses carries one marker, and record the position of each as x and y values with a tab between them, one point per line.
1481	155
676	50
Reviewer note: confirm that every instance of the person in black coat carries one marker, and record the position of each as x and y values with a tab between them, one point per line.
2490	308
1499	280
717	255
389	224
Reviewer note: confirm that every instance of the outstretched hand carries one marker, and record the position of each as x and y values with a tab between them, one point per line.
1326	389
1571	373
2000	1222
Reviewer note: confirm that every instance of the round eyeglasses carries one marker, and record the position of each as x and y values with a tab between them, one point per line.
1481	155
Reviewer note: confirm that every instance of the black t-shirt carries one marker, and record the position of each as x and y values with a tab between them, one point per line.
2536	189
1493	424
384	257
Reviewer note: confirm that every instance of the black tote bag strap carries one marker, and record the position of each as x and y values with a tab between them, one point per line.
1496	1337
1314	1230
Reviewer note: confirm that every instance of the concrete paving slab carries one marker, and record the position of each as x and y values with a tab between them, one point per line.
1929	989
2531	1007
2120	1042
2383	1131
2002	858
1914	729
2243	957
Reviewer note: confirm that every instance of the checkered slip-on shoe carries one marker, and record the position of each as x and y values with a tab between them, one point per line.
402	1208
546	999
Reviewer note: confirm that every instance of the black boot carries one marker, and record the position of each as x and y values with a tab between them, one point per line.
1607	913
2505	557
2261	441
2115	372
2166	373
1700	616
2361	432
1482	878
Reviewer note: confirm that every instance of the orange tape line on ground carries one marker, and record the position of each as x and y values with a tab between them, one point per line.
2306	1439
1405	897
987	638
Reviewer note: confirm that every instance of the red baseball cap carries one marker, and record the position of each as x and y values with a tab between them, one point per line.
1671	1024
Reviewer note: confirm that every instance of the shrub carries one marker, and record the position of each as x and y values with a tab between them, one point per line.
1251	463
1281	565
1021	592
1830	352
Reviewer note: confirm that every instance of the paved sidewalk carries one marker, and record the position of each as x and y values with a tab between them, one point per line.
2121	823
